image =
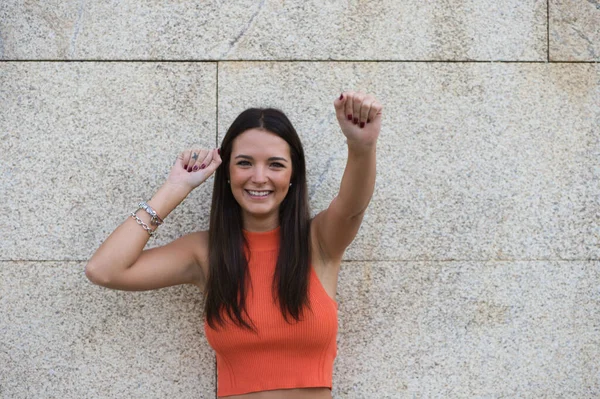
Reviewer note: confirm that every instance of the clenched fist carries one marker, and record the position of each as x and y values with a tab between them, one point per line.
359	116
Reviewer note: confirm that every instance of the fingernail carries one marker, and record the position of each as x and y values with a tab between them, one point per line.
355	121
349	117
219	151
185	167
195	168
362	124
202	166
342	96
368	121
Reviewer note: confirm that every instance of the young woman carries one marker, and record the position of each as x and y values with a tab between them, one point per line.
268	272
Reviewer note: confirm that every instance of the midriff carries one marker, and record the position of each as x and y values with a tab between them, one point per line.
296	393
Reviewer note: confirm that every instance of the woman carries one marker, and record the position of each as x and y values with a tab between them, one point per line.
269	273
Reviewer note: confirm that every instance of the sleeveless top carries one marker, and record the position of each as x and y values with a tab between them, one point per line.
282	355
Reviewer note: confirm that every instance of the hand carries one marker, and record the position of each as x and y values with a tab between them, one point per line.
359	116
193	166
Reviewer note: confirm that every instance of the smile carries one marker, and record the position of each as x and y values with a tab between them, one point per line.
258	194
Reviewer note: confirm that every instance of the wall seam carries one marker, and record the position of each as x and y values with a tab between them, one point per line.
548	30
545	61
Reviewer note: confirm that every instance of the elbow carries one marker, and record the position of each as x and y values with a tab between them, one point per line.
93	274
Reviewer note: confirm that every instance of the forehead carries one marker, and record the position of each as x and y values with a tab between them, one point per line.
260	143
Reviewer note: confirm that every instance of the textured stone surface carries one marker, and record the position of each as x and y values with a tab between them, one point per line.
475	161
83	143
63	337
468	330
574	30
208	30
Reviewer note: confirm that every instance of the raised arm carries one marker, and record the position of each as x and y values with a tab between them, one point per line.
359	116
121	261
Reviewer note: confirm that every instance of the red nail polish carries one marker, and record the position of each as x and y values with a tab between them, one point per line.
349	117
362	124
342	96
185	167
219	151
202	166
355	121
195	168
368	121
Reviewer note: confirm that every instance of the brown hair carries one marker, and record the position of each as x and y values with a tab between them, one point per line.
228	267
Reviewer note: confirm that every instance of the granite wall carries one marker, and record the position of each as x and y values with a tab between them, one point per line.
476	273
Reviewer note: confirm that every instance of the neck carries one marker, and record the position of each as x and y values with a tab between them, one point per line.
257	224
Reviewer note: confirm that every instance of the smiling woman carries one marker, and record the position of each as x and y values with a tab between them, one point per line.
268	271
260	177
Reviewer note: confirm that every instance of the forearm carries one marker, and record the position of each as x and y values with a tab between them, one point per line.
358	181
122	248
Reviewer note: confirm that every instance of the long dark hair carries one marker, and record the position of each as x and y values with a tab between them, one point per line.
226	286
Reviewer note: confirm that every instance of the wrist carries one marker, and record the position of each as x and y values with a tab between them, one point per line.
167	198
361	147
177	190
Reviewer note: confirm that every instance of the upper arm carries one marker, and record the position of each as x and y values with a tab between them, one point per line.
179	262
335	230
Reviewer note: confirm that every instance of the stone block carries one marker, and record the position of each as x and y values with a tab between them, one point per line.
63	337
274	30
574	30
83	143
475	161
468	330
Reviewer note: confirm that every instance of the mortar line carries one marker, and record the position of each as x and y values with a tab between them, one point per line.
317	61
548	29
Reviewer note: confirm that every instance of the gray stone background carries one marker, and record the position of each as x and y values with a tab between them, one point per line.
476	273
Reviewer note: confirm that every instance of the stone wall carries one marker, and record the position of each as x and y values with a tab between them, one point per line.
476	272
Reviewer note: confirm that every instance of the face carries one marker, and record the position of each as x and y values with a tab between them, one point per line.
260	171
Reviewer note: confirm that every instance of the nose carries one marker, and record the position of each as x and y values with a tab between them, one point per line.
259	176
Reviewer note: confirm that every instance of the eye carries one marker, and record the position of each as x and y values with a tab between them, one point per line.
277	165
243	163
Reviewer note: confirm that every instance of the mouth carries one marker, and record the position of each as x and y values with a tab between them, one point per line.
258	194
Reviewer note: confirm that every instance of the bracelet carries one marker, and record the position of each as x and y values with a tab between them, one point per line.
141	223
155	220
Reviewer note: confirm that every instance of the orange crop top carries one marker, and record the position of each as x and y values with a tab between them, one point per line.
281	355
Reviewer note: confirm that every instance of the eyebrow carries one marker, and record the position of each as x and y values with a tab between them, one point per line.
270	159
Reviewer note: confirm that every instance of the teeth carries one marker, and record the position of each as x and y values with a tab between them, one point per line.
259	193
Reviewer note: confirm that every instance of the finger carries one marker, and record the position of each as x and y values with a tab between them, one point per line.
216	162
364	111
348	108
375	111
178	160
207	159
185	161
198	156
340	104
356	105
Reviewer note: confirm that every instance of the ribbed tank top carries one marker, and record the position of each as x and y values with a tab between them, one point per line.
281	355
